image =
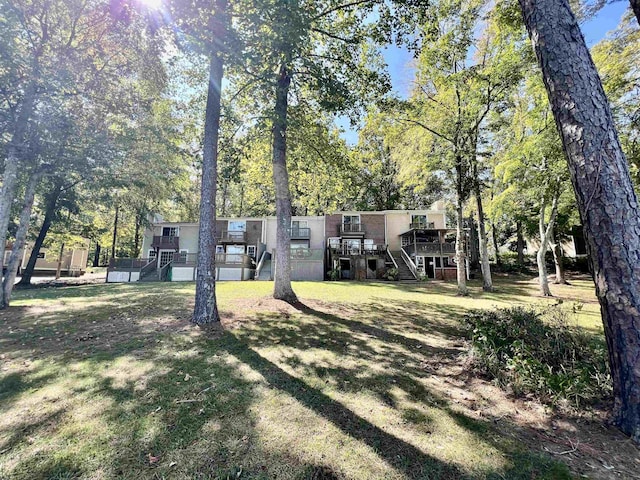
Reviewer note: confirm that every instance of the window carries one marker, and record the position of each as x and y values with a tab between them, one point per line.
152	253
299	244
169	231
418	220
42	255
237	226
165	257
334	242
368	244
406	241
351	219
296	224
353	246
251	251
219	248
182	257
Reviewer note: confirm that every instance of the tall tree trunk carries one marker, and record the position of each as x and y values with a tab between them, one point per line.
487	284
607	202
494	236
635	6
223	208
96	256
205	312
282	287
15	151
556	248
545	234
59	266
50	212
15	259
114	238
519	242
136	235
460	254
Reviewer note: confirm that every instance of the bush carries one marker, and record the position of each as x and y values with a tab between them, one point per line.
391	274
333	274
538	353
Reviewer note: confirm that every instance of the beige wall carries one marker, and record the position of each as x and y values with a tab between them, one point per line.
400	221
316	224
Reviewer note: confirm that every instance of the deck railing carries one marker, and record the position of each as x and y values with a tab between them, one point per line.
351	228
232	237
300	233
127	264
346	249
306	254
423	225
165	241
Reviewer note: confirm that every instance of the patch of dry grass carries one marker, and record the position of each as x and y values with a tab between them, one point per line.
359	381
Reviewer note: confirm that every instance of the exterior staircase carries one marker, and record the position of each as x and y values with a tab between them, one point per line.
152	276
265	268
404	272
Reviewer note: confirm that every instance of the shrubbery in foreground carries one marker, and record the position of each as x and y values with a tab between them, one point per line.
538	352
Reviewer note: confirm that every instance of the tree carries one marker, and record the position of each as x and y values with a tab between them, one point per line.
602	182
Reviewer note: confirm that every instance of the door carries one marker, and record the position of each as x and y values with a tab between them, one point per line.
165	257
430	267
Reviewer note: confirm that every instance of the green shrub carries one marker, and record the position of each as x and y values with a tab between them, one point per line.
391	274
538	353
333	274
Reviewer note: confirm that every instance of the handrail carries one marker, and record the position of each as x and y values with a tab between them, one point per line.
164	271
395	264
149	267
260	264
410	264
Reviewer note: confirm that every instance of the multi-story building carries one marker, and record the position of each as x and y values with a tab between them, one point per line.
348	245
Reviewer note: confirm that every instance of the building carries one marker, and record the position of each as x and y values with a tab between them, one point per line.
73	262
347	245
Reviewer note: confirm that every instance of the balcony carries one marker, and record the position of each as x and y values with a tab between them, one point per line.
345	249
166	242
300	233
355	229
422	226
232	237
432	248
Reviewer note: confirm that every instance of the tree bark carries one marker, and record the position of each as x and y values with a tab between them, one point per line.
136	235
205	312
519	243
50	212
556	248
460	254
635	6
545	235
494	236
282	287
114	238
59	266
15	259
15	151
606	200
487	284
96	256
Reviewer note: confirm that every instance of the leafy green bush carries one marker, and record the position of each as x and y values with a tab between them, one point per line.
391	274
538	353
333	274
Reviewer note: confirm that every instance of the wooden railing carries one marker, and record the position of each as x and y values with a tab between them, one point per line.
395	264
149	268
127	264
232	237
164	271
423	225
160	241
351	228
235	260
185	259
346	249
410	264
300	233
261	264
308	254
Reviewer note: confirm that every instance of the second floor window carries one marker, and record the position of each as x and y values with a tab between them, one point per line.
419	219
169	231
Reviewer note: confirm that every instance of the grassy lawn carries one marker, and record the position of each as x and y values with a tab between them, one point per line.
361	381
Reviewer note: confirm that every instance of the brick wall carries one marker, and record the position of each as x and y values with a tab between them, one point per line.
332	225
254	232
373	227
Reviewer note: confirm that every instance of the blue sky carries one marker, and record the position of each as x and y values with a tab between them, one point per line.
401	71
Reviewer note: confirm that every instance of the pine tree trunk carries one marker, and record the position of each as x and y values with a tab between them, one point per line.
136	236
15	259
11	164
114	238
282	287
487	284
519	243
206	309
606	200
556	248
635	6
50	212
96	256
